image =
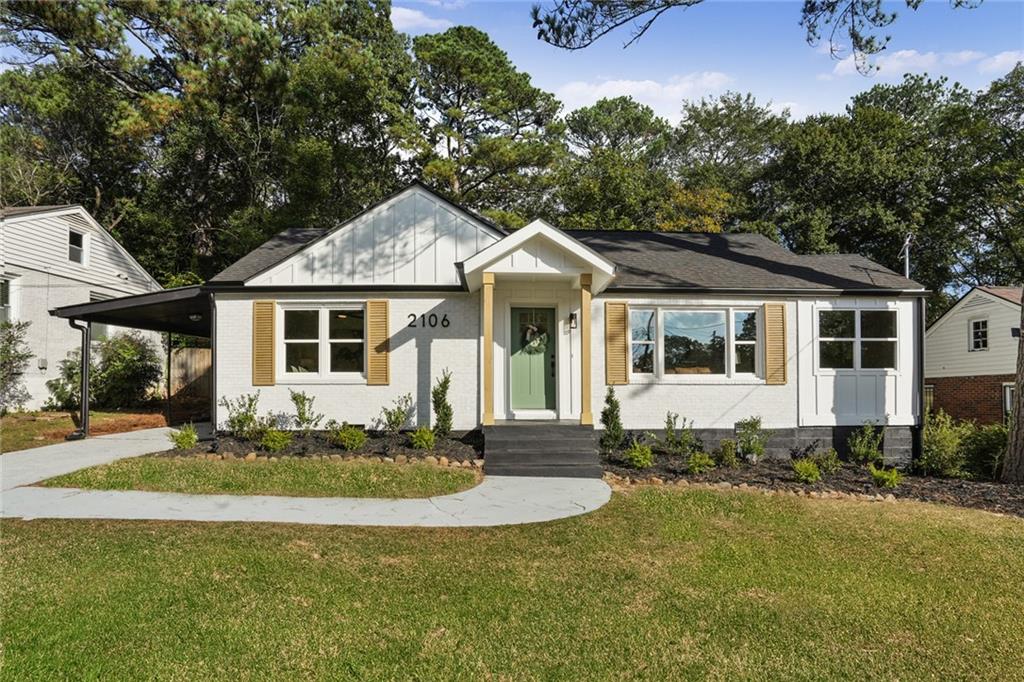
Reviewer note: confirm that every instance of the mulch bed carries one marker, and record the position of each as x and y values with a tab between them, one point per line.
1003	498
464	448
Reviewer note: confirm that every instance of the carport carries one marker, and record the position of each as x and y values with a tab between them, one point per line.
183	310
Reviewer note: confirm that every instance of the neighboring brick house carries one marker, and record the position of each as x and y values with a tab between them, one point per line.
971	355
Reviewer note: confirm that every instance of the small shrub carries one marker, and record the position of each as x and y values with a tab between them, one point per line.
306	418
725	455
865	444
422	439
679	437
242	422
700	462
347	437
885	478
984	449
275	440
613	435
639	455
443	413
14	357
751	438
806	470
393	419
942	451
827	461
185	438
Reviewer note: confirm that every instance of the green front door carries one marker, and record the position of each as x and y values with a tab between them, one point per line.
532	365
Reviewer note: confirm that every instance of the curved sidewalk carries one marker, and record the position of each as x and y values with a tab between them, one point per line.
498	500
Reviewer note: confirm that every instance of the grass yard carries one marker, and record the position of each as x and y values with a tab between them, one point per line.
299	477
23	430
659	584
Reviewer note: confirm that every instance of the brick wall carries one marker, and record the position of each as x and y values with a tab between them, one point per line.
974	397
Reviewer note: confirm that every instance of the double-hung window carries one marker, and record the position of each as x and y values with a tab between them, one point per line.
324	341
857	339
693	342
5	300
1008	395
979	335
76	247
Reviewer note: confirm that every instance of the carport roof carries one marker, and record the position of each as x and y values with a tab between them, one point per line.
184	310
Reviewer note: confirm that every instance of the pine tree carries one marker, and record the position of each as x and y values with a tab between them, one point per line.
442	408
614	435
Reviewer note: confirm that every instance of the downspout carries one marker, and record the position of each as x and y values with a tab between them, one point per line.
83	430
213	365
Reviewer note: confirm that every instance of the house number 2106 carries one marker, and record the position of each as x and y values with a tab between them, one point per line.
431	320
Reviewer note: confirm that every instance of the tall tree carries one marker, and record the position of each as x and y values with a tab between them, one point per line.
575	24
492	134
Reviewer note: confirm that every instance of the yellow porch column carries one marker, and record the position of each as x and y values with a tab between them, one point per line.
488	321
586	281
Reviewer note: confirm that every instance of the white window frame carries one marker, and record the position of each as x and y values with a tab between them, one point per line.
970	334
85	247
857	339
9	315
1008	389
324	376
731	376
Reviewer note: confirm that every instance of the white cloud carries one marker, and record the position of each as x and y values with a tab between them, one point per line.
413	20
895	64
962	57
665	97
1002	62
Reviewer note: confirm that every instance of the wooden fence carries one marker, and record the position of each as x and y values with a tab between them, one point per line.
191	383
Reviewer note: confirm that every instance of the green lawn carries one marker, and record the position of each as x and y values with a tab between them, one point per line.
302	477
659	584
23	430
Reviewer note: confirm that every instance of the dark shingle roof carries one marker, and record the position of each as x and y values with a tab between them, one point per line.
15	211
678	260
1011	294
268	254
665	260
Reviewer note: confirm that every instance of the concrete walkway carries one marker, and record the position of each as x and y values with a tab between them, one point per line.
498	500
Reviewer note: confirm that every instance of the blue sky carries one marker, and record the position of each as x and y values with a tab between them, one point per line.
756	47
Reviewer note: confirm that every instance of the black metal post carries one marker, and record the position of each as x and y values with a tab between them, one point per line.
83	426
168	378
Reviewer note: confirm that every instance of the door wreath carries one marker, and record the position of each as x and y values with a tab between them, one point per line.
535	340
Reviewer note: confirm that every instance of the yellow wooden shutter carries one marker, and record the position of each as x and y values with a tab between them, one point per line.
262	343
378	365
616	343
775	343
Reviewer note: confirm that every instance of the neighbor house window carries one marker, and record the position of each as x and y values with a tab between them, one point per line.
857	339
5	300
979	335
929	397
715	342
76	247
100	331
1008	395
324	340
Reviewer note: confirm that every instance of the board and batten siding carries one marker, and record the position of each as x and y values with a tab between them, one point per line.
947	342
414	239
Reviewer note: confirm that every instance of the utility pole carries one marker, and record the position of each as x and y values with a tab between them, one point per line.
905	252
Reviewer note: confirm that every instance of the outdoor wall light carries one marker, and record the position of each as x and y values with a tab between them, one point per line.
195	317
572	320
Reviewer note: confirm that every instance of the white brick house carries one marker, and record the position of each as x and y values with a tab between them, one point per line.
537	323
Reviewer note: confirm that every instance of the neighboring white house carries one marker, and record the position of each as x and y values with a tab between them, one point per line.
971	355
53	256
536	324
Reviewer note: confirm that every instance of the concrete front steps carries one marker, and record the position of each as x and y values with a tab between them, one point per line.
541	448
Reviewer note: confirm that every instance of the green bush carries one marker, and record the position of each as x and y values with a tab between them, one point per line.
185	438
827	461
306	419
885	478
725	455
639	455
700	462
865	444
984	449
393	419
122	371
613	435
443	413
14	357
242	422
679	437
422	439
806	470
942	451
751	438
275	440
347	437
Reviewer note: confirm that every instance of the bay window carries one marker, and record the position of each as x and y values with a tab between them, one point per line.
857	339
323	341
712	342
